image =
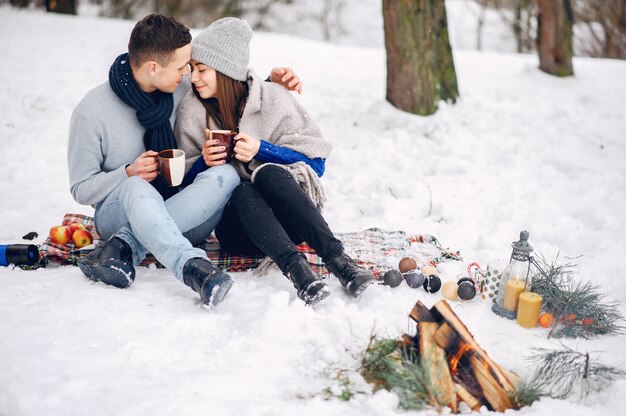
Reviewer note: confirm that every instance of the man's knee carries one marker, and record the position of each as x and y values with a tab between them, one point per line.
135	185
135	190
225	176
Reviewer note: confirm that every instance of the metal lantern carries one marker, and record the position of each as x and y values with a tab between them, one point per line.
515	278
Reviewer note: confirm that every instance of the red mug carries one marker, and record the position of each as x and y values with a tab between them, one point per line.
226	139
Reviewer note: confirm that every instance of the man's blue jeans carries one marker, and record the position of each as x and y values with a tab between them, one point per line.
136	213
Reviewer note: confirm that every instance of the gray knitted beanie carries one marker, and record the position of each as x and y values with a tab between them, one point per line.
224	46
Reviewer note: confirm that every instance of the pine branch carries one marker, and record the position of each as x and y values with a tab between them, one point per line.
580	309
558	372
386	365
526	393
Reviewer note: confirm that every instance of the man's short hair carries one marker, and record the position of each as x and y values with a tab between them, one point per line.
155	38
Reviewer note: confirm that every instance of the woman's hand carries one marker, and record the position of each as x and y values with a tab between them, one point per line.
213	155
146	166
246	147
287	78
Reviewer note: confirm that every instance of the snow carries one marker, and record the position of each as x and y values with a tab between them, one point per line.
519	150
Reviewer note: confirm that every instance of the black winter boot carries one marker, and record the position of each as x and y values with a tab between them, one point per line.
111	263
353	278
310	288
210	282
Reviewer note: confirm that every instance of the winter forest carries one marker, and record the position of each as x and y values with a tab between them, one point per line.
474	177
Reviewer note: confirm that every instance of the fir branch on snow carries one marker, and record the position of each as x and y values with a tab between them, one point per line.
580	309
344	390
526	393
558	372
386	365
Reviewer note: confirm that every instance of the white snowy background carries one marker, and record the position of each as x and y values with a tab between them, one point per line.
520	150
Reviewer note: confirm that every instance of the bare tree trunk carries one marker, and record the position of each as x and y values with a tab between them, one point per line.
479	29
420	68
61	6
19	3
448	88
169	7
606	22
554	37
517	25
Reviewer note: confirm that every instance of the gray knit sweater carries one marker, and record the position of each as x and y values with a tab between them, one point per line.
272	114
104	137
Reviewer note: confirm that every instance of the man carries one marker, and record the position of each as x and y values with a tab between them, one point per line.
116	132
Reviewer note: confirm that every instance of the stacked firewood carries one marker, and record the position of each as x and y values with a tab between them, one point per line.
460	370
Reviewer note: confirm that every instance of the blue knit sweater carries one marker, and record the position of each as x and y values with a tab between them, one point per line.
268	153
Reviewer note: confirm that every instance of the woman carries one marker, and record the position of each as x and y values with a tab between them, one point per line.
276	205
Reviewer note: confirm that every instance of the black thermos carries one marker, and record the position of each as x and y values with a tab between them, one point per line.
18	254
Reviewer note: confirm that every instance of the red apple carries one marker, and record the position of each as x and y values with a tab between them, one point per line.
75	226
81	238
60	234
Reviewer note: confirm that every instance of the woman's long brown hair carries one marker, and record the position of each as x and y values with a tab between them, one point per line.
227	106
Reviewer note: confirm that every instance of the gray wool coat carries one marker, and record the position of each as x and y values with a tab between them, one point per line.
272	114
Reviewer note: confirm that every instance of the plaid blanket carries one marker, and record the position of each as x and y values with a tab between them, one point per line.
50	252
375	249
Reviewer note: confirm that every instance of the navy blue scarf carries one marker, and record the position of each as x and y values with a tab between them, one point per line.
153	112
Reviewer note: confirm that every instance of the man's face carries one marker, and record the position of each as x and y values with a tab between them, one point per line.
204	79
167	78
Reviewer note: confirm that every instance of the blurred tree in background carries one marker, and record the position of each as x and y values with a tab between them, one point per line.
420	68
554	37
519	15
599	26
193	13
604	21
56	6
61	6
19	3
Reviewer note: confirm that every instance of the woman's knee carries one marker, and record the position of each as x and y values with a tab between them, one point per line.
243	192
276	183
270	173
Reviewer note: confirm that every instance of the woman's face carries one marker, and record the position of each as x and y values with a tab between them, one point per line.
204	79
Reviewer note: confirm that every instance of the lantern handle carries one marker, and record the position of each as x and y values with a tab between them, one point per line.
536	264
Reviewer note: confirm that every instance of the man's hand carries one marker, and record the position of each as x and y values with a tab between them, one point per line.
246	147
213	155
146	166
287	78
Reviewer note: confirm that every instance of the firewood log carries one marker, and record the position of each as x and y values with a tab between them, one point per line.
466	397
448	332
466	337
433	360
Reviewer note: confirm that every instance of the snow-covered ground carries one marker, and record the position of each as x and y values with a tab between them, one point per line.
520	150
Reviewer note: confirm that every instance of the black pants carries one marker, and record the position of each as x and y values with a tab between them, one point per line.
272	216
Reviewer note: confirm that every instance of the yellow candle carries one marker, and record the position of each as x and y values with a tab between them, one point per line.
511	294
528	310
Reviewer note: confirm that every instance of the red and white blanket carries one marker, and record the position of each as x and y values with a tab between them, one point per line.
376	249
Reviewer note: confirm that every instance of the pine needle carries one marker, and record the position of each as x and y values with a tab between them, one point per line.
386	365
558	372
580	309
